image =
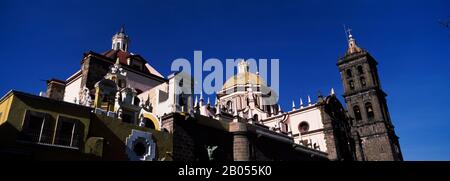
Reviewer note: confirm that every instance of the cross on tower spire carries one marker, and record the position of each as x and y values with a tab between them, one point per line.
352	47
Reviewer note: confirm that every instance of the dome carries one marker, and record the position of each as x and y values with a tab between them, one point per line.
243	78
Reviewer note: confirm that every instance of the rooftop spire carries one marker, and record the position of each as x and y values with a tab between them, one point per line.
352	47
309	100
196	101
122	29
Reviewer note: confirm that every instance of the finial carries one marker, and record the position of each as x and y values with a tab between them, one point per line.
332	91
122	29
196	101
309	100
349	32
279	110
293	105
301	103
319	97
201	96
217	109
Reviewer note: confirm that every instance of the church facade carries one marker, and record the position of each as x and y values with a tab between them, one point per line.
117	106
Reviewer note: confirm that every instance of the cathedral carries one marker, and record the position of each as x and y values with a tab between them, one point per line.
118	107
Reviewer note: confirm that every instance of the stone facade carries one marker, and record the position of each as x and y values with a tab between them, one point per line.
240	141
55	89
231	141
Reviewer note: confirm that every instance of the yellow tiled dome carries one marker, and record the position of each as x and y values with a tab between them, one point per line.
243	79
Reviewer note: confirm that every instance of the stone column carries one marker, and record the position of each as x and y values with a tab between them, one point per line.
359	151
240	141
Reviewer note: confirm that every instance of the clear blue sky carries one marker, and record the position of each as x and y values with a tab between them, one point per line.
44	39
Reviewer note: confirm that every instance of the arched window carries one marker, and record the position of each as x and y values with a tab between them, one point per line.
360	70
349	73
137	101
363	81
369	110
351	84
269	109
230	106
357	112
181	101
149	123
303	127
255	118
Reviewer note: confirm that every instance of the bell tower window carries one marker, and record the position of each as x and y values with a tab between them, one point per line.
351	84
349	73
357	113
230	106
363	81
369	110
360	70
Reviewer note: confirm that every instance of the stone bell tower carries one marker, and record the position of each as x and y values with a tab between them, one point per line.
371	126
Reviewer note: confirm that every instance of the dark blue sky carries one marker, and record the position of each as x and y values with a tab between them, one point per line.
44	39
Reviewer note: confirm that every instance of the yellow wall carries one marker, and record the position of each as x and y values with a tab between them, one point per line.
16	111
55	115
5	105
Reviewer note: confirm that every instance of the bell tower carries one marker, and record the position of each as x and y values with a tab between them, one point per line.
371	126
